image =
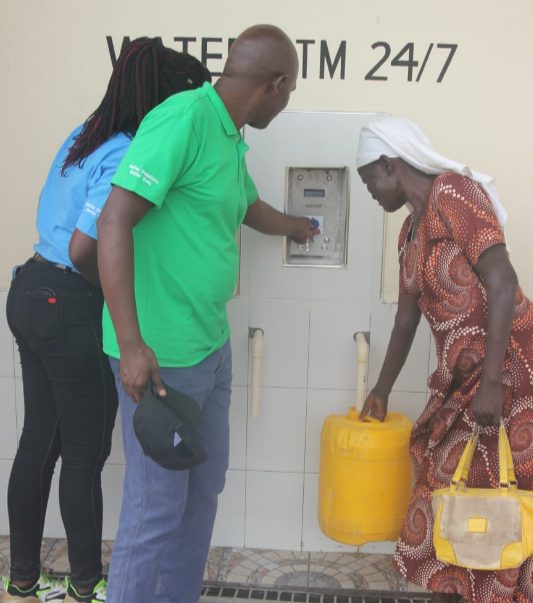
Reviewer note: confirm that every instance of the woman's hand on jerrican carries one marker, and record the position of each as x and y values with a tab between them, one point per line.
375	406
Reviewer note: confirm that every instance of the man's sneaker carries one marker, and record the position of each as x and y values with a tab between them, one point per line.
44	590
97	596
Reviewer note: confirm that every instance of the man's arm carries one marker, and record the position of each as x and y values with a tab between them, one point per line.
265	219
82	253
121	213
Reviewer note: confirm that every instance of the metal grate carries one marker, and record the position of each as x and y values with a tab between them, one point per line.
214	594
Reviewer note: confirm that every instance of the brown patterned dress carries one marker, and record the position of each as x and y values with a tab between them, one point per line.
436	267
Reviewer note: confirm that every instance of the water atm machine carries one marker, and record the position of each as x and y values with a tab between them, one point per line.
304	163
321	194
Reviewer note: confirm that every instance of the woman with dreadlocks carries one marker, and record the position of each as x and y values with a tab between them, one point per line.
54	310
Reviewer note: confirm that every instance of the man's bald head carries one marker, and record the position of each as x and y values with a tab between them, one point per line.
260	53
259	76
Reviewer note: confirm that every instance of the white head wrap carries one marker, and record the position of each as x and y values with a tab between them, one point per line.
400	137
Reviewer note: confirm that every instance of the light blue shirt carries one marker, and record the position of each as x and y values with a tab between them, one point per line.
75	201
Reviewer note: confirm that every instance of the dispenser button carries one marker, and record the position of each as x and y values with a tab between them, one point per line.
317	223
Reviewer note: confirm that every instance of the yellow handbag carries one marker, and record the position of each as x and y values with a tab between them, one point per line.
483	528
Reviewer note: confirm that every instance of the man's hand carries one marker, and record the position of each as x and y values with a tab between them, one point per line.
488	404
264	218
375	406
303	231
137	364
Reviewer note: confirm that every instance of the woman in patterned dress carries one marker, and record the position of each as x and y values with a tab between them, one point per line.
454	269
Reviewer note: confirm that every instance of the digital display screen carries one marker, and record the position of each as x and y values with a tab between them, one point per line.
314	192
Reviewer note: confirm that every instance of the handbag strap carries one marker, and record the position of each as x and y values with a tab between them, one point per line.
507	472
461	473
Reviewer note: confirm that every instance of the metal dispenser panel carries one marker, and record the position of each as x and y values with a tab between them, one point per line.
321	194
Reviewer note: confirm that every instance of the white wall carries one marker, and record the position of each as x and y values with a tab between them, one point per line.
55	69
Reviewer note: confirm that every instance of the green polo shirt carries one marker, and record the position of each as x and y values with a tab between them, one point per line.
187	158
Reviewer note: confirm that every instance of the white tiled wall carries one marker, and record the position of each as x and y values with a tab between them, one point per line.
276	442
274	510
309	317
8	439
229	528
5	468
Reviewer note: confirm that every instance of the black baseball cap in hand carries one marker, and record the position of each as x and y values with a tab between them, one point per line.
156	422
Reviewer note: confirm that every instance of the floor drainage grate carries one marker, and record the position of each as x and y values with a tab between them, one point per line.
236	593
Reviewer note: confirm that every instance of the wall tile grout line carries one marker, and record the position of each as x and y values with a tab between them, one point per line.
305	432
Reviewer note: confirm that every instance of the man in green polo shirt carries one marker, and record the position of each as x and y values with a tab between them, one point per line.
168	263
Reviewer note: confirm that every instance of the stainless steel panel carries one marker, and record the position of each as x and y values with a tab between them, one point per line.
321	194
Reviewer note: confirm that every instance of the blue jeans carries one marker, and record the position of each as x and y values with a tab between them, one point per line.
167	517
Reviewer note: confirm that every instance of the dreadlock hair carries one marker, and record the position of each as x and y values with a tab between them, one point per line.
145	75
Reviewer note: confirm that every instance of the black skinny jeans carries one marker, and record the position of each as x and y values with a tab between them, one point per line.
70	405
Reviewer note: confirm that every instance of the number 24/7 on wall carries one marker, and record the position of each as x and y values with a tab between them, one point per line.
405	58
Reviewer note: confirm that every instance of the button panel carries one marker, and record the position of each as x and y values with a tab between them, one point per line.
322	195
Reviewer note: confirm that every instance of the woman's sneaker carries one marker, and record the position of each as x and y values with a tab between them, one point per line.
97	596
44	590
